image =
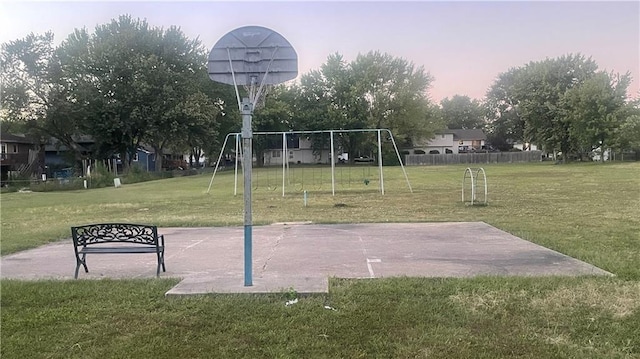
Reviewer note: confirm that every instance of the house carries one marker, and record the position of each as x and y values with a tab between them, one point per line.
299	150
145	158
57	155
525	146
17	155
451	141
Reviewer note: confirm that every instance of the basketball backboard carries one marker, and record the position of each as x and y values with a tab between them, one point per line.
252	55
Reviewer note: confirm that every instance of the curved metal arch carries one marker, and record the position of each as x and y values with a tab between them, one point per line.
474	183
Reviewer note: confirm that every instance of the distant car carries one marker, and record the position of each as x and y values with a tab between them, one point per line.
363	159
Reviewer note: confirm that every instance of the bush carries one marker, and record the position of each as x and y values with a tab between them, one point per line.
66	184
178	173
100	177
136	174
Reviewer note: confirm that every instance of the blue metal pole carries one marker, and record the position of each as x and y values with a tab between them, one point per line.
248	258
247	164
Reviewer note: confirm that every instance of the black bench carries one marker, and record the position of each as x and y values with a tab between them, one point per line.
116	238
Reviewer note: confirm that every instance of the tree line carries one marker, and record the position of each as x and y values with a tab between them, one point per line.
128	83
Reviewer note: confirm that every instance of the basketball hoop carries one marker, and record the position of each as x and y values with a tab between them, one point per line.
254	57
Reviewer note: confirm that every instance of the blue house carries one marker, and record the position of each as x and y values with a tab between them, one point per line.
145	159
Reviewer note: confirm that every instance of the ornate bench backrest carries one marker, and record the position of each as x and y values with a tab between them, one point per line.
114	232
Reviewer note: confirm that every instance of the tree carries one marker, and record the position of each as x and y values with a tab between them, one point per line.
27	77
199	128
125	84
395	94
228	117
627	135
595	110
374	91
110	83
173	71
133	81
541	92
35	93
325	100
461	112
533	96
276	115
504	124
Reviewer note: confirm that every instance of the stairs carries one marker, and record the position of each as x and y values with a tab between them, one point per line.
29	168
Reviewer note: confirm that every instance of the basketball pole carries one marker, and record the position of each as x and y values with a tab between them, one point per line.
247	164
245	56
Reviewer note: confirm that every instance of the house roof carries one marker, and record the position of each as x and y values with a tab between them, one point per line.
468	135
7	137
83	143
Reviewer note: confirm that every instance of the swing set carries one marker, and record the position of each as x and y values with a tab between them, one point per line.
303	169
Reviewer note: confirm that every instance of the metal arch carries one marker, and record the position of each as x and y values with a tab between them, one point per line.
474	183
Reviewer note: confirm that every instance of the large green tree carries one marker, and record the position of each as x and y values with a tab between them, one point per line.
275	115
595	110
130	79
627	135
541	90
326	100
34	92
125	84
503	122
395	94
532	97
563	104
375	90
461	112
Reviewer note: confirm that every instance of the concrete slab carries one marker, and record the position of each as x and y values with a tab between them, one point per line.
304	256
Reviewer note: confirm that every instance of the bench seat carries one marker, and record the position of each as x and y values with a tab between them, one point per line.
121	249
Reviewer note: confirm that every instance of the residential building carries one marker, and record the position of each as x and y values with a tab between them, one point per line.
299	150
17	155
451	141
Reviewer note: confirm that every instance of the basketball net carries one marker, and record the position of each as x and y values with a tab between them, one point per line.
261	98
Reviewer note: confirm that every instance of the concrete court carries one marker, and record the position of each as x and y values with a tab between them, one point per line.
304	256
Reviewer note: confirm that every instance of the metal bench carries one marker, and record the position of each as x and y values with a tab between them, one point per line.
116	238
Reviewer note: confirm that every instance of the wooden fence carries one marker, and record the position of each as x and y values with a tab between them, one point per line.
471	158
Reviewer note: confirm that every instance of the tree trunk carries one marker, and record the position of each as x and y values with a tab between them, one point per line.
159	158
259	154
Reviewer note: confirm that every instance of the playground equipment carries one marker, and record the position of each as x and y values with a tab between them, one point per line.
475	175
317	173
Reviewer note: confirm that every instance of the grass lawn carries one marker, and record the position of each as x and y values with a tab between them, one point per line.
588	211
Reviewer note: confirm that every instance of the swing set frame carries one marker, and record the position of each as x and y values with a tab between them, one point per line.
332	154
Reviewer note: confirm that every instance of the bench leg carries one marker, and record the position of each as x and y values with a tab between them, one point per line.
82	262
160	263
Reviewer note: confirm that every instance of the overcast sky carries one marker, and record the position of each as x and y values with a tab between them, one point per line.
464	45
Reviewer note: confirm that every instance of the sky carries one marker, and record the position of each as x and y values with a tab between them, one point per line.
463	45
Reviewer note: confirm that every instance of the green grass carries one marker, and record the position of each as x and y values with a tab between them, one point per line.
402	318
588	211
